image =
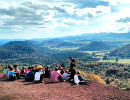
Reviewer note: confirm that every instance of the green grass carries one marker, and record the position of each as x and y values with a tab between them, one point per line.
89	52
125	61
98	53
113	61
65	48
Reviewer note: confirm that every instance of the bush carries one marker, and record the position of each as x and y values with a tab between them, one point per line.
92	77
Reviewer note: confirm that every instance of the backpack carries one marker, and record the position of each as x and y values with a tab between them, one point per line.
81	78
12	77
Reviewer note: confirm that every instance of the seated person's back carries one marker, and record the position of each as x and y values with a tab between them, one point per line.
29	76
38	76
10	73
27	70
47	72
4	71
54	75
65	75
76	78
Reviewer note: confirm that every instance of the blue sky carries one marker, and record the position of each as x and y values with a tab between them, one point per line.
26	19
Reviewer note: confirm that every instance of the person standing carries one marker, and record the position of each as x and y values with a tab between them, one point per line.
72	64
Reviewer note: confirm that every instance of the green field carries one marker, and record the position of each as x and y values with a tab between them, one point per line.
65	48
125	61
98	53
89	52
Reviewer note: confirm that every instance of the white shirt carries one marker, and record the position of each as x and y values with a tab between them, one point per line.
76	79
37	76
58	71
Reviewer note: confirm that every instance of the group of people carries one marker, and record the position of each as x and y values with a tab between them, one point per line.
37	73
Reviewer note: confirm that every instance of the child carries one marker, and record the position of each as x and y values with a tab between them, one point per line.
38	75
22	74
17	71
79	80
47	72
11	75
4	71
61	71
30	75
27	70
66	75
76	79
7	70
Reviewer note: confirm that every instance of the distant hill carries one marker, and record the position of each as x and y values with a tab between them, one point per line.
50	43
97	37
123	52
67	44
121	38
95	46
33	52
23	51
4	41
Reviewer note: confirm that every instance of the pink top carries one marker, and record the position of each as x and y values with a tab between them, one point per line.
54	76
26	70
7	74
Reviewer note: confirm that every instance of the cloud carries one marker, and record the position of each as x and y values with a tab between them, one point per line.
124	20
64	7
70	21
117	2
52	18
34	13
89	3
25	15
93	12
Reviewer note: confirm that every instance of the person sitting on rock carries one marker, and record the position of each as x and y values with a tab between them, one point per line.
61	71
16	71
38	76
54	75
65	75
7	70
30	75
47	72
4	71
27	70
79	79
22	74
11	75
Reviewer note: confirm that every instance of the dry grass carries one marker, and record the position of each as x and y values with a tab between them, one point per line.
92	77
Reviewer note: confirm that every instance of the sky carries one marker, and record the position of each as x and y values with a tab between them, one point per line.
27	19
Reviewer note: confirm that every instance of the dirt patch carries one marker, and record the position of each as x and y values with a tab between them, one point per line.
21	90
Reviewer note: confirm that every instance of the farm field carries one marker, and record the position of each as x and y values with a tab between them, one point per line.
65	48
125	61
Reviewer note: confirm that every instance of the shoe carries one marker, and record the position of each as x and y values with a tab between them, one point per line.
41	81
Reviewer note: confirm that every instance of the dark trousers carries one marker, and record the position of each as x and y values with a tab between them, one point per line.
41	77
30	79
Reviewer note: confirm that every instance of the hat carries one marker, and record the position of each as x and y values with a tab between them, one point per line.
39	67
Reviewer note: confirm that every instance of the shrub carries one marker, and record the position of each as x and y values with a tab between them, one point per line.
92	77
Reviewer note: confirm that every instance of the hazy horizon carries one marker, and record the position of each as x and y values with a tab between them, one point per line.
30	19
